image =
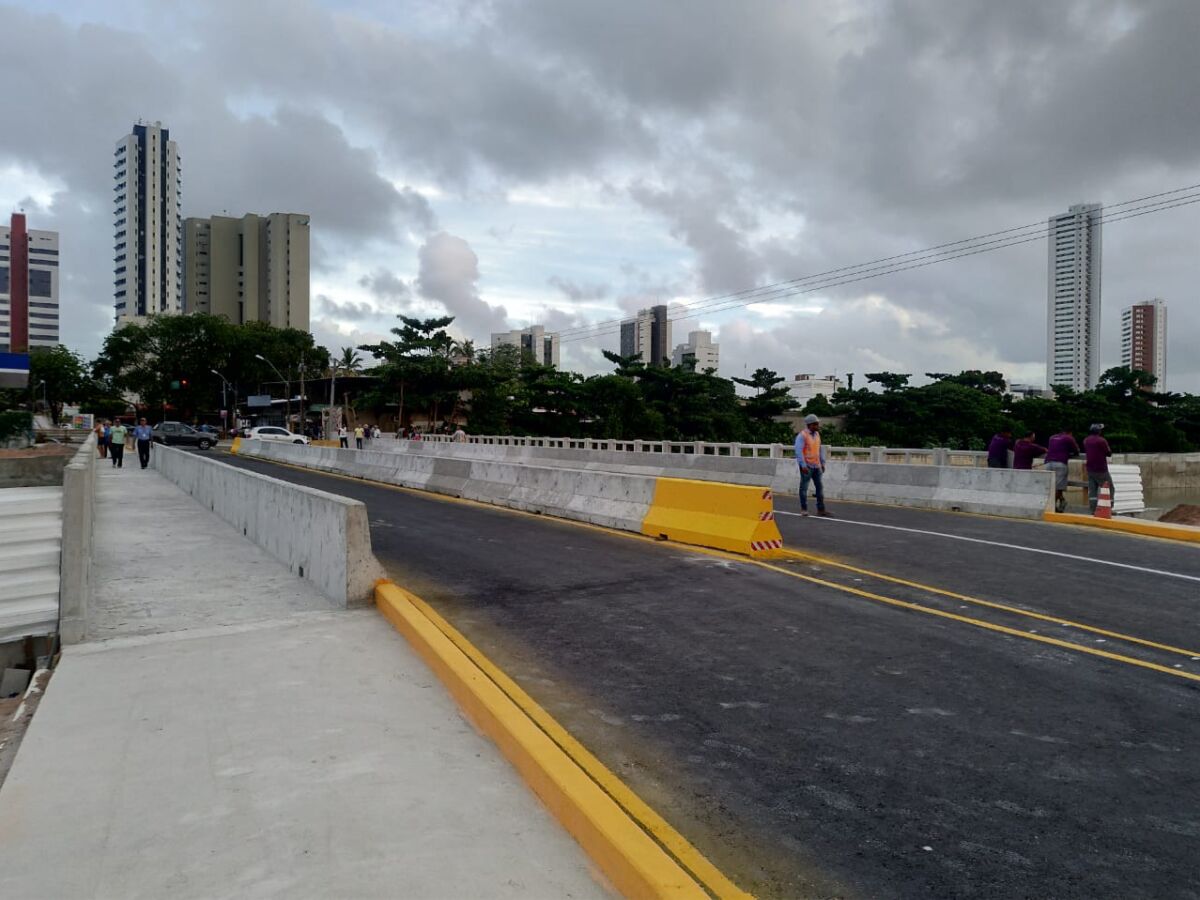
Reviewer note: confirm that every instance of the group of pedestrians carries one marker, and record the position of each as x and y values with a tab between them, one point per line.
1058	452
111	438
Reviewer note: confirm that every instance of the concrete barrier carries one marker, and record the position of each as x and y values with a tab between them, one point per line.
317	535
734	517
75	582
704	513
998	492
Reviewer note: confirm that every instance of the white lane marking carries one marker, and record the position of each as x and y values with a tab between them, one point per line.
973	540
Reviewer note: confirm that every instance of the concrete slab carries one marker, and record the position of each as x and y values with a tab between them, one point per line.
232	736
164	563
314	756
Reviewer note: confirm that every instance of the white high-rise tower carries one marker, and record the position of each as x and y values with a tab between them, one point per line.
147	232
1073	298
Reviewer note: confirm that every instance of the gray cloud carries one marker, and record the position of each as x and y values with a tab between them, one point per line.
386	285
349	311
574	290
449	273
764	147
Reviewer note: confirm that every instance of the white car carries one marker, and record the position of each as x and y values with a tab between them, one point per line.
274	433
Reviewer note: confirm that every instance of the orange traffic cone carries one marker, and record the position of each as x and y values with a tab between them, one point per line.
1103	503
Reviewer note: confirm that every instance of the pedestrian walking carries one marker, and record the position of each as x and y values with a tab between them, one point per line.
1059	449
116	448
343	437
1096	453
1026	451
1002	442
810	456
375	432
144	435
101	440
460	436
358	437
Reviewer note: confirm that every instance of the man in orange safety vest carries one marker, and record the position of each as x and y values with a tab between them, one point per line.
810	456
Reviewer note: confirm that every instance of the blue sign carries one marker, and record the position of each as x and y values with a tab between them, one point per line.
14	370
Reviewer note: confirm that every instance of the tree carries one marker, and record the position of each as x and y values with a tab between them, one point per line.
770	402
58	374
349	363
889	380
420	358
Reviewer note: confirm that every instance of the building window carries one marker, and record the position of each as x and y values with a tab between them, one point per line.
39	283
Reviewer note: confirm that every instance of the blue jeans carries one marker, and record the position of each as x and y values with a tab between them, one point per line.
813	474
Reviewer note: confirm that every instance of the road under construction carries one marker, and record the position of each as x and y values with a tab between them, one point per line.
907	703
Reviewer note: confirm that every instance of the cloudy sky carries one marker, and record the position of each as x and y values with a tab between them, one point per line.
566	162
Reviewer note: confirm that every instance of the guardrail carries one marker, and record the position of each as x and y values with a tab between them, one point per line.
903	455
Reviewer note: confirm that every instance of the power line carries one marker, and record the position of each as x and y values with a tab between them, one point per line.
996	240
774	289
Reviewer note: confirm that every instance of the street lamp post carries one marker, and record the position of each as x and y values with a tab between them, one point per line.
287	386
224	399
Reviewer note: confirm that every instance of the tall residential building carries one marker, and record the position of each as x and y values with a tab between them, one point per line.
147	233
252	269
534	340
28	286
1073	298
1144	339
699	347
804	387
648	333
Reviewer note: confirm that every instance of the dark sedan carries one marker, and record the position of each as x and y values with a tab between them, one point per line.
178	434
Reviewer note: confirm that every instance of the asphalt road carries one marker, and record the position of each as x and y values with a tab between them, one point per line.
814	741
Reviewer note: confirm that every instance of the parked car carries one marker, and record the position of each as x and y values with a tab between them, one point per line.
178	434
275	433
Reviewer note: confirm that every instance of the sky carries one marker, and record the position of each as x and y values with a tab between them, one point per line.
568	162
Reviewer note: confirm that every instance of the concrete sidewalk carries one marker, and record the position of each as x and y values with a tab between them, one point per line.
231	736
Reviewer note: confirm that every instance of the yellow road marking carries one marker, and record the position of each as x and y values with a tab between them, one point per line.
904	604
687	855
1057	620
1161	531
980	623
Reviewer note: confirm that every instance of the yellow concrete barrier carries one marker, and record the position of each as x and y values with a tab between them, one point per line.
735	517
236	445
321	442
635	864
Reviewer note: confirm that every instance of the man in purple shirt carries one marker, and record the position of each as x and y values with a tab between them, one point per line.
998	449
1096	453
1059	449
1026	451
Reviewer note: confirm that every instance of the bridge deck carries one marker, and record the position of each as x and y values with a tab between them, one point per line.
818	730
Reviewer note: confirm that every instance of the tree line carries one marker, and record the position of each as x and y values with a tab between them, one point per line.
177	365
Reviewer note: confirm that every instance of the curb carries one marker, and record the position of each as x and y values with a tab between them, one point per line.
622	848
1186	533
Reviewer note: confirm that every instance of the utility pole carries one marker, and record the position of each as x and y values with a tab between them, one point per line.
303	421
332	393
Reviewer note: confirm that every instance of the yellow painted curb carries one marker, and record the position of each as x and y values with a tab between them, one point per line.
624	851
1169	532
735	517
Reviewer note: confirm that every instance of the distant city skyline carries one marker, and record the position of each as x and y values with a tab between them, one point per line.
568	175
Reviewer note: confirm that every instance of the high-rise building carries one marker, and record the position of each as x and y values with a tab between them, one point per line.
1144	339
700	349
147	233
1073	297
648	333
533	340
252	269
28	286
